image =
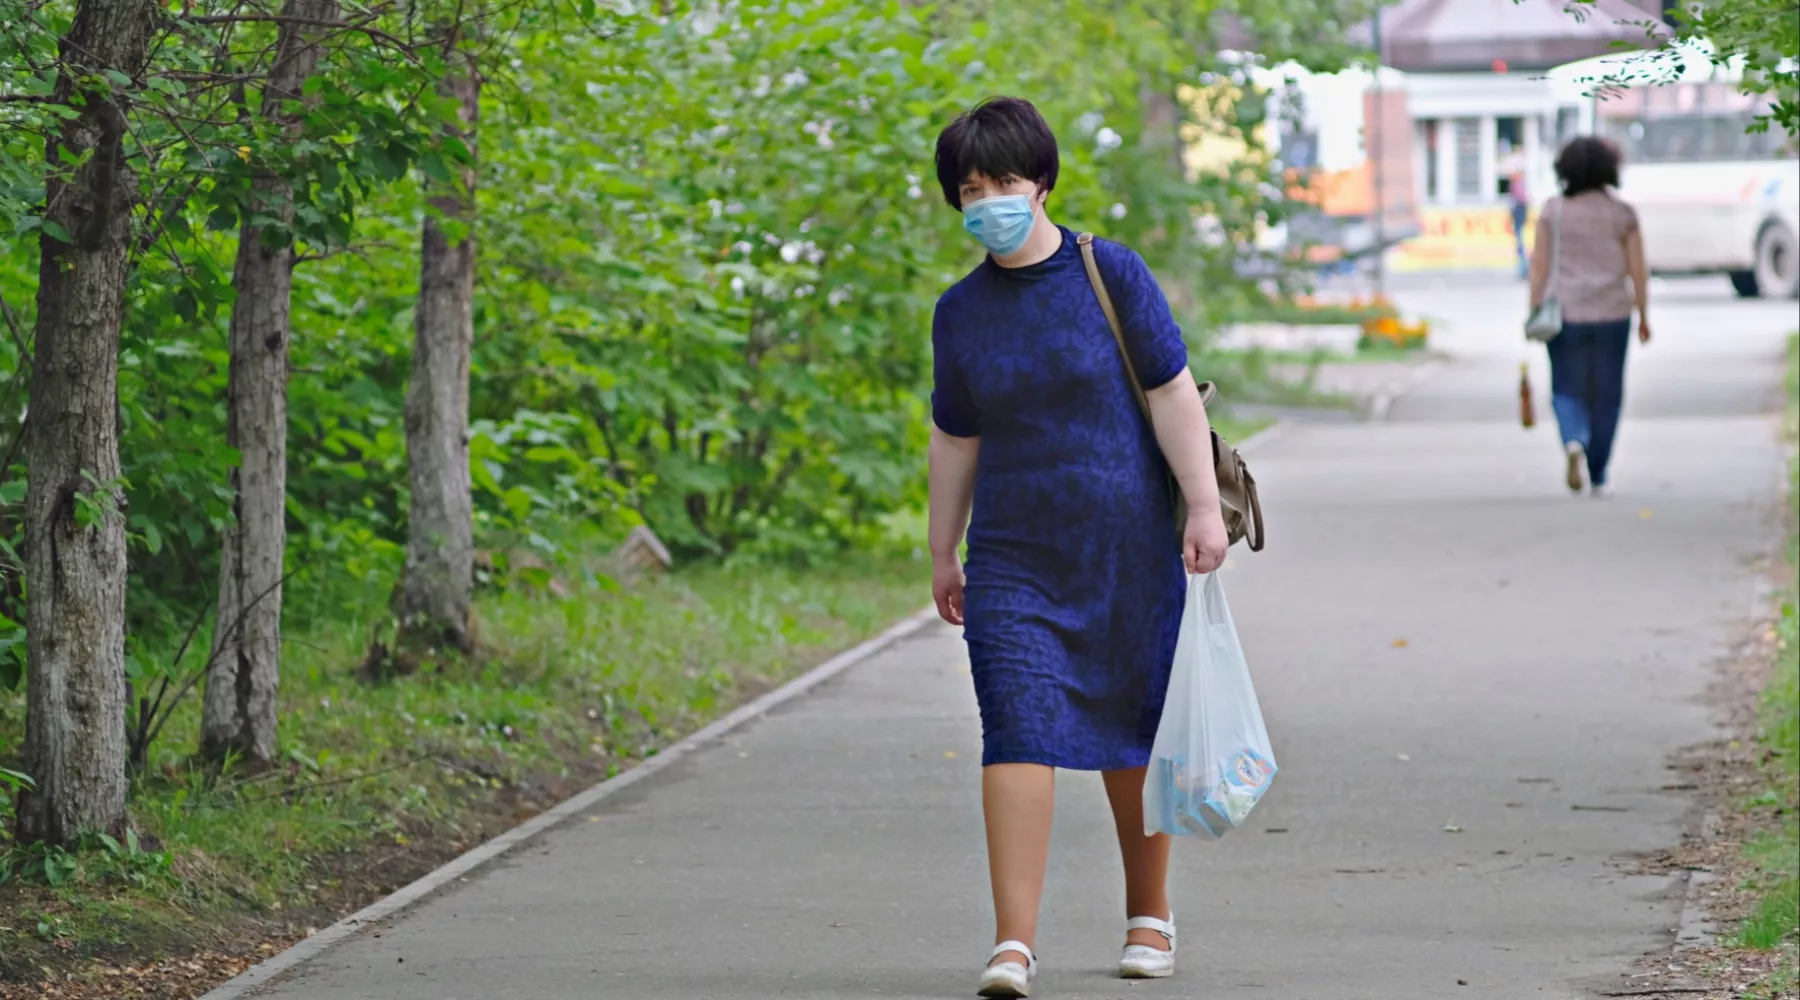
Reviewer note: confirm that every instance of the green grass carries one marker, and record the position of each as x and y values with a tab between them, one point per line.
568	691
1775	853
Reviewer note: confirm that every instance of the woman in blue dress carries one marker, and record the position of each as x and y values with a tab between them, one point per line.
1072	592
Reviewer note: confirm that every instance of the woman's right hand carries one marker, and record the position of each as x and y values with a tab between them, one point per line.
947	588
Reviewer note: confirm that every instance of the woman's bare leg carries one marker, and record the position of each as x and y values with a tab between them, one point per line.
1020	801
1146	858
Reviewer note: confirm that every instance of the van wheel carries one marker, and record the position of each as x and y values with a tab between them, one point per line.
1777	262
1745	284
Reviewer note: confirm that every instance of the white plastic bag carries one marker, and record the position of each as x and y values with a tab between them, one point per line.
1211	762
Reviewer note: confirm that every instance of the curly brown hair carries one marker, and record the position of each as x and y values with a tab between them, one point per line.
1587	163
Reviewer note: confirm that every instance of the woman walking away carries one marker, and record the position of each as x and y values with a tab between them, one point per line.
1072	594
1589	256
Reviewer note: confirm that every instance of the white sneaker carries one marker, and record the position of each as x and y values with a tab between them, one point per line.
1141	961
1577	465
1008	979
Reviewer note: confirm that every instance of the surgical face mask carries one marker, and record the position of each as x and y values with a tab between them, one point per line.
1002	224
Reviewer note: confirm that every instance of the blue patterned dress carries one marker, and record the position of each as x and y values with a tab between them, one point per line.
1074	575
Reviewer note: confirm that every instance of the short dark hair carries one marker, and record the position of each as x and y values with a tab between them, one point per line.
1000	137
1587	163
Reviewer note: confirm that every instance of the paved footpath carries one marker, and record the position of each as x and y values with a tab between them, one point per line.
1472	679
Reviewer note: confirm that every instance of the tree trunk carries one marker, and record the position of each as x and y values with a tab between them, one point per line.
435	591
244	670
74	506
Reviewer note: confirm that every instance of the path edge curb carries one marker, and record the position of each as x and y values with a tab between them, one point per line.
1384	398
251	981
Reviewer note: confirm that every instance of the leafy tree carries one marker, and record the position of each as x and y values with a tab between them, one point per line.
245	667
74	516
1762	37
436	588
689	281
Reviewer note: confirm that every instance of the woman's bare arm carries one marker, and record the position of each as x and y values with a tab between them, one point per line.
1640	280
952	483
1185	436
1540	259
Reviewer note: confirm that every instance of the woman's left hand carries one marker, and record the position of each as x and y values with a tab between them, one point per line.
1204	543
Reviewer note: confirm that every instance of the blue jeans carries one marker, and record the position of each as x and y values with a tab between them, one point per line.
1587	387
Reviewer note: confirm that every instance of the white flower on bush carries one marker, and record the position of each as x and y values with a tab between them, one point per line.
743	246
790	252
1089	122
717	206
813	254
794	78
1106	138
838	296
1117	210
772	240
820	130
763	84
1210	230
803	291
737	284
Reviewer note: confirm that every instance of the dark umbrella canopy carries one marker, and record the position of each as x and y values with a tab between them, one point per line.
1448	36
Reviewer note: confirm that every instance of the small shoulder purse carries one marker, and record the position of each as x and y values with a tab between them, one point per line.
1238	499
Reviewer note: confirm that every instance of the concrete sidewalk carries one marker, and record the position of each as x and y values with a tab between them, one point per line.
1472	680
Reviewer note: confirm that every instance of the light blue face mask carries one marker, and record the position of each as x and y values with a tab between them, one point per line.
1002	224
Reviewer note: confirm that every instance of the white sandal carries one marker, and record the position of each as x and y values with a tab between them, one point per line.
1008	979
1141	961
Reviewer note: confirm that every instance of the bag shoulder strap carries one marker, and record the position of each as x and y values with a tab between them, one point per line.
1086	242
1241	472
1556	221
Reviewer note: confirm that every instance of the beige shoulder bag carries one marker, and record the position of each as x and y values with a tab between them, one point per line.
1238	499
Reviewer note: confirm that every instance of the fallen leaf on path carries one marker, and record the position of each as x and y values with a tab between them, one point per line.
1599	809
1400	643
1452	828
1646	514
1404	756
949	754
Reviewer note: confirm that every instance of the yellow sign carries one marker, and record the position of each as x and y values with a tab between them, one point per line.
1462	239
